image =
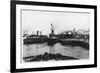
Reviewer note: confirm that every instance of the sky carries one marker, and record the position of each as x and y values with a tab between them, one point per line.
62	21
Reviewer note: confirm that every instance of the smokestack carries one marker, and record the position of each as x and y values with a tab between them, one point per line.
37	32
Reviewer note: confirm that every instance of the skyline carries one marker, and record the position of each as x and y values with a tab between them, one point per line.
39	20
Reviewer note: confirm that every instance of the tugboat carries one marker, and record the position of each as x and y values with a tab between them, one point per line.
52	38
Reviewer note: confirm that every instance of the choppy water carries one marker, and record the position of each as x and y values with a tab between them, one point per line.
40	49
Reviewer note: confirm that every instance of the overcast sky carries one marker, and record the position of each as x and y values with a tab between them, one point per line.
62	21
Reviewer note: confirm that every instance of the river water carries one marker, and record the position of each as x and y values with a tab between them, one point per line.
40	49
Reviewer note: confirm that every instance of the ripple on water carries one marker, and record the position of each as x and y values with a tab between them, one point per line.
40	49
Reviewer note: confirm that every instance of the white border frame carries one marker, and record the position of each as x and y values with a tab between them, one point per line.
23	65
